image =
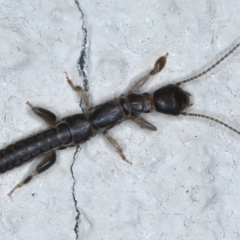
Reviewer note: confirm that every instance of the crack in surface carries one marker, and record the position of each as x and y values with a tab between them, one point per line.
82	69
77	218
82	61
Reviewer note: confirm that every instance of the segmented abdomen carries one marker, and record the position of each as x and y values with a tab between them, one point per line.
27	149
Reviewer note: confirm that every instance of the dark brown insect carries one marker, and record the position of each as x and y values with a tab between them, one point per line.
78	128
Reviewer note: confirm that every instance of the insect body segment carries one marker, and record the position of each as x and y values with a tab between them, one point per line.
171	100
79	128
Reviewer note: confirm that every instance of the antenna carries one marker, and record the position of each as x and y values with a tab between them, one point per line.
212	119
210	68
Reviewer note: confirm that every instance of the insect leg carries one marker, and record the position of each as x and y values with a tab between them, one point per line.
158	66
49	117
82	93
116	146
143	123
46	163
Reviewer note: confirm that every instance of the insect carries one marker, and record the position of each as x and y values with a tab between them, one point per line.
77	129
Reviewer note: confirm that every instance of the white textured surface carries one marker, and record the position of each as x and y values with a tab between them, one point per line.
184	182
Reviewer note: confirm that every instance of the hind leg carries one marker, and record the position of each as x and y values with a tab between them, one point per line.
49	117
46	163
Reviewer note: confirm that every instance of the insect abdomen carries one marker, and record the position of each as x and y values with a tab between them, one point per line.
27	149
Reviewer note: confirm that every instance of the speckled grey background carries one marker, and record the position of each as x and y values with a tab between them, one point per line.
184	181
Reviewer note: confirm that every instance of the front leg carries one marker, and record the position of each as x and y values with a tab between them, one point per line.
159	65
143	123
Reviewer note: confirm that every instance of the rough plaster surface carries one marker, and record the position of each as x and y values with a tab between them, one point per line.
184	181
